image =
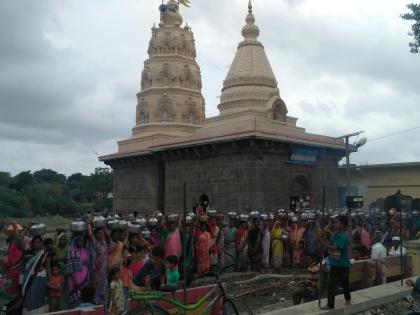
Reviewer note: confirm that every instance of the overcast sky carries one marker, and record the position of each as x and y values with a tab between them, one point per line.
70	71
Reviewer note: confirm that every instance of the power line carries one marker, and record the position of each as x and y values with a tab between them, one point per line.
210	62
395	133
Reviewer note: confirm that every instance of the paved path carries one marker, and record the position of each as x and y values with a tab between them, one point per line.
362	300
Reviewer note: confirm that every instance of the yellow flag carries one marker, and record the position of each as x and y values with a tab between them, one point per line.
185	2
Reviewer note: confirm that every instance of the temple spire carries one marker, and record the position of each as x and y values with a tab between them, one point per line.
249	7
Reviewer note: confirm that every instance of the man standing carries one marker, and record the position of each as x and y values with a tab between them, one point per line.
397	249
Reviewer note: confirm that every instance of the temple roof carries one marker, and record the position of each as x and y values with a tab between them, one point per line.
249	70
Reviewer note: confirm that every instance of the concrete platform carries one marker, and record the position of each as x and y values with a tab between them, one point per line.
362	300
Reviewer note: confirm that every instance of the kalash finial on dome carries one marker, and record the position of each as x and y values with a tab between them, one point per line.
250	31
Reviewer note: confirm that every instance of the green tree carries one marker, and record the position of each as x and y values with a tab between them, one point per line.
79	187
13	203
47	175
50	198
5	179
22	181
414	15
102	182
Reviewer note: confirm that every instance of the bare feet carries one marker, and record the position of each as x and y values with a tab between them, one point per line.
348	303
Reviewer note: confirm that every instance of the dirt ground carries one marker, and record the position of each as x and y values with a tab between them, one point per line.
260	295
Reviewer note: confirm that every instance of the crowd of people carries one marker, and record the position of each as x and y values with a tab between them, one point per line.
101	260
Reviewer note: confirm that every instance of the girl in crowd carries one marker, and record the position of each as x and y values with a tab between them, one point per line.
117	296
76	270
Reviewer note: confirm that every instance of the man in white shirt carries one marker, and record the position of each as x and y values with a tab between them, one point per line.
378	253
396	248
378	249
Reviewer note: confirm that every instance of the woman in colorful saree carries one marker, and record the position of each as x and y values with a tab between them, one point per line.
276	246
11	263
155	238
98	253
60	257
61	250
214	231
136	252
34	288
76	270
230	245
202	246
187	240
242	245
115	250
296	240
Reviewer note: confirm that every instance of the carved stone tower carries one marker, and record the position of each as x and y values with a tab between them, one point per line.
250	86
170	102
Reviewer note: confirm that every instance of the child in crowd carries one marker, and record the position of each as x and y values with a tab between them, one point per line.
117	296
55	285
152	274
172	274
126	275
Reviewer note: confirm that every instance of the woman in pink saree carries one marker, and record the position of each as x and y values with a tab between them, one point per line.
12	261
171	241
296	239
76	270
202	248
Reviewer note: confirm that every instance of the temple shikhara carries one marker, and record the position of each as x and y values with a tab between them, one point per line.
251	156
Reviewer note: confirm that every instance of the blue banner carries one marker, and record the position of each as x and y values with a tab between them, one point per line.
303	155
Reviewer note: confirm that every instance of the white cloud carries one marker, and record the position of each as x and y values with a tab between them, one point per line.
70	71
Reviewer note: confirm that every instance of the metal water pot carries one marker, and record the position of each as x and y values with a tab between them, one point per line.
158	215
188	220
141	221
232	215
133	228
146	234
113	224
122	224
254	214
172	217
38	229
153	222
243	218
98	221
78	226
211	213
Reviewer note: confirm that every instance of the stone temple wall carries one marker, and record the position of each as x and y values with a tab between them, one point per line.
235	176
136	187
